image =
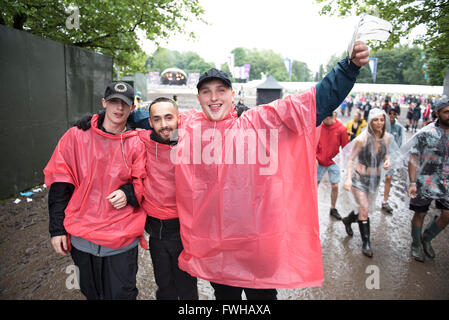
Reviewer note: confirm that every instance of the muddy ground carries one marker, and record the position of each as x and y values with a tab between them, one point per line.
30	269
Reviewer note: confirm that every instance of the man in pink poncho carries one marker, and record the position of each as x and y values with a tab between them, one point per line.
246	187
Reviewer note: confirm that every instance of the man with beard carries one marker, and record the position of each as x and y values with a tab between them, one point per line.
429	180
159	202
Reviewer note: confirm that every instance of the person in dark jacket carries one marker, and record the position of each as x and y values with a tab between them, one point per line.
416	115
240	107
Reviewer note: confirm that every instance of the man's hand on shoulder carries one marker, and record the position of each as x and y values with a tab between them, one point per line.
83	123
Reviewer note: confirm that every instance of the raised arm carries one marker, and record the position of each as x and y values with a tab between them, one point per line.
336	85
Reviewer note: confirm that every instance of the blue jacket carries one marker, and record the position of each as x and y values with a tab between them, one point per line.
334	88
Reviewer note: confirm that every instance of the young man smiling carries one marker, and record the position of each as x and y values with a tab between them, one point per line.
159	202
159	199
84	175
241	229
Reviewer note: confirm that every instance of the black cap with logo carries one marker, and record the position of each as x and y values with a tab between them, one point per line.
214	74
121	90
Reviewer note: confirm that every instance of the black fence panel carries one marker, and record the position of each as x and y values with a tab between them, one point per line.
44	86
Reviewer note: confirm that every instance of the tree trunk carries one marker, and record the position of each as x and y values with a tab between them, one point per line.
446	84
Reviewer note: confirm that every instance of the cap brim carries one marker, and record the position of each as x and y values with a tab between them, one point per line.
200	83
127	100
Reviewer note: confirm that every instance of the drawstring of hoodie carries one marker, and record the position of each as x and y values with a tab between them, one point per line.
156	150
123	150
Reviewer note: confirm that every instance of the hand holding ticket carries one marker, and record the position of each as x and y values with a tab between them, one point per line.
370	28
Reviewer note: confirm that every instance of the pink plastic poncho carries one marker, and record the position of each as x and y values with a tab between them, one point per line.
159	198
94	162
246	192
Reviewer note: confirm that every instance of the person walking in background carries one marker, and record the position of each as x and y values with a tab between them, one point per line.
426	116
350	104
366	108
397	131
343	107
354	127
386	106
240	107
428	169
416	115
409	116
397	107
333	135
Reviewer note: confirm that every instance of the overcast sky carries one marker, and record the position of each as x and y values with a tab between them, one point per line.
291	28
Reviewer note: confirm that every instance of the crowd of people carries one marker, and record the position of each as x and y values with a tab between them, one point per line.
370	151
209	214
419	107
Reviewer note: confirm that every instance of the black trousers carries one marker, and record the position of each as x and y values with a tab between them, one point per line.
224	292
107	278
165	248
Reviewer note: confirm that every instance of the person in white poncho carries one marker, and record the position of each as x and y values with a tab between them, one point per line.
368	155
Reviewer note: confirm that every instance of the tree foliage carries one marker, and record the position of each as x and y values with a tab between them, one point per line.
189	61
399	65
106	26
405	15
268	62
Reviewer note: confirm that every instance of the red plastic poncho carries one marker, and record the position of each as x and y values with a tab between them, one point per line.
332	137
251	222
159	198
94	162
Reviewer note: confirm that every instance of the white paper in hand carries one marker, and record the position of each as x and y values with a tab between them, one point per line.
370	28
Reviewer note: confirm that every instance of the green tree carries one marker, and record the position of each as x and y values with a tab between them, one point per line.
106	26
405	15
401	65
300	71
269	63
320	74
189	61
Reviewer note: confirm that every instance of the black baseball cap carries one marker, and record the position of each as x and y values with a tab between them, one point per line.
395	109
442	103
121	90
214	74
